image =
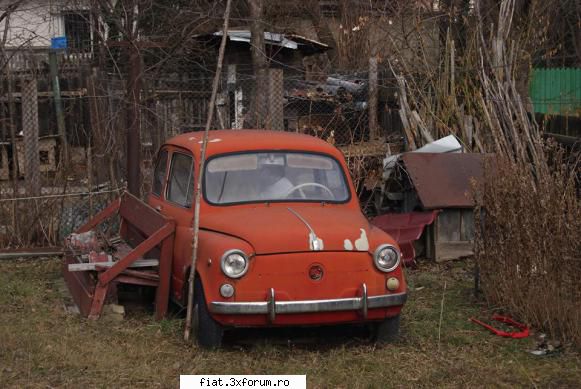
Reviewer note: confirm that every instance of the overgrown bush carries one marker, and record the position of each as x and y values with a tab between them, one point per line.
528	242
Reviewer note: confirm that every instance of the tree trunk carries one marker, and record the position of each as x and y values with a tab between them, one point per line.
259	61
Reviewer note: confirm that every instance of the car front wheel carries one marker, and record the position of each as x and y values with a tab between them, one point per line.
387	331
208	332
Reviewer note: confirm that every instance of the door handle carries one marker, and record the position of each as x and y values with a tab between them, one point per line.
158	208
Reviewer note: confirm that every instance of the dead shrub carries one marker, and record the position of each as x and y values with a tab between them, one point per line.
527	246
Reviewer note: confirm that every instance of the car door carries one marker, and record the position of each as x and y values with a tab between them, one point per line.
172	195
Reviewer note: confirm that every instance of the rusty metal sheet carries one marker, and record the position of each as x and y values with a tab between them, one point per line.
405	228
444	180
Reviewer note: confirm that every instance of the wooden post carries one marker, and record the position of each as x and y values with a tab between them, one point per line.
30	131
275	99
373	126
90	178
97	131
222	110
231	103
58	108
12	129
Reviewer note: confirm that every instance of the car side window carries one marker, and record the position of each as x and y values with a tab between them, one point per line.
159	173
181	180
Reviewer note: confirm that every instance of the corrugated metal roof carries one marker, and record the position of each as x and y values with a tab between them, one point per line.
288	41
444	180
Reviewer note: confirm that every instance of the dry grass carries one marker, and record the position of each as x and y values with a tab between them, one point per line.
527	242
42	346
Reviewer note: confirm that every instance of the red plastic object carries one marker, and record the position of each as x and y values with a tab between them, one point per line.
405	228
523	333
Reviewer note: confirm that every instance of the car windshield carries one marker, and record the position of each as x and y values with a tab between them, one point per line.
274	176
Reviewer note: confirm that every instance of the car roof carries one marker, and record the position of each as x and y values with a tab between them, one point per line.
232	141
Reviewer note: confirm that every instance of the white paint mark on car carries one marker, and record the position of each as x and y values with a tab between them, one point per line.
362	244
348	245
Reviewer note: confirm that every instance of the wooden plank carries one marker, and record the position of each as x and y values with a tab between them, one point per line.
99	297
146	275
368	149
449	225
140	215
162	292
136	281
81	287
145	246
467	232
93	265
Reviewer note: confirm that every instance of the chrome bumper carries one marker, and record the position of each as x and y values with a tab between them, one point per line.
273	307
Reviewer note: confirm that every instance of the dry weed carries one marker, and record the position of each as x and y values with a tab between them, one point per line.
527	242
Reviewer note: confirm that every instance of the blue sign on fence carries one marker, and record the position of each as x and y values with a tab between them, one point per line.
58	42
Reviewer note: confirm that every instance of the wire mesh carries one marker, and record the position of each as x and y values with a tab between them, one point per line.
95	107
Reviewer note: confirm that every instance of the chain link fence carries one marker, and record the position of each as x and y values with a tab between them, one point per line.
47	219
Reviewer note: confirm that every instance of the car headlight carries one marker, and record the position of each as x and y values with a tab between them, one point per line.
234	263
386	258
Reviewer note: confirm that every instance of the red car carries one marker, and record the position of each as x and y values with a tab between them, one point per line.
283	241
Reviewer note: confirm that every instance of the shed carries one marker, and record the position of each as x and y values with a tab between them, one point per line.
444	182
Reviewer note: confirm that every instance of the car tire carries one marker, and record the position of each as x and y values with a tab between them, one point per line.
388	330
208	332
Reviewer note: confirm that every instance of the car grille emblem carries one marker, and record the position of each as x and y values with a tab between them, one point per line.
316	272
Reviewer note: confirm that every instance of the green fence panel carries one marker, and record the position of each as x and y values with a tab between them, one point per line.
556	91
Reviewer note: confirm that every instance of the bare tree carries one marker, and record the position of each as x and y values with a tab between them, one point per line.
259	61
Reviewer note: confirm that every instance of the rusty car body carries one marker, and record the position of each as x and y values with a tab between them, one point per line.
304	256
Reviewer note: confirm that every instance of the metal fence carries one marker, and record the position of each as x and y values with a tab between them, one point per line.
52	179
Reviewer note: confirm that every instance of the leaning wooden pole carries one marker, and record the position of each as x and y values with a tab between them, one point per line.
196	227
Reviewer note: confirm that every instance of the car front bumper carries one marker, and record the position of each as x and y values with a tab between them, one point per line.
272	307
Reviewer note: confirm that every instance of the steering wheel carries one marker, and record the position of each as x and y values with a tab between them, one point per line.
301	186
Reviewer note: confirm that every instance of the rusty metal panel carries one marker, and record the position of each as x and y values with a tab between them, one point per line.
81	285
405	228
444	180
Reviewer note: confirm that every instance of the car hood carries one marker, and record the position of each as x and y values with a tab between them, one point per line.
277	229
